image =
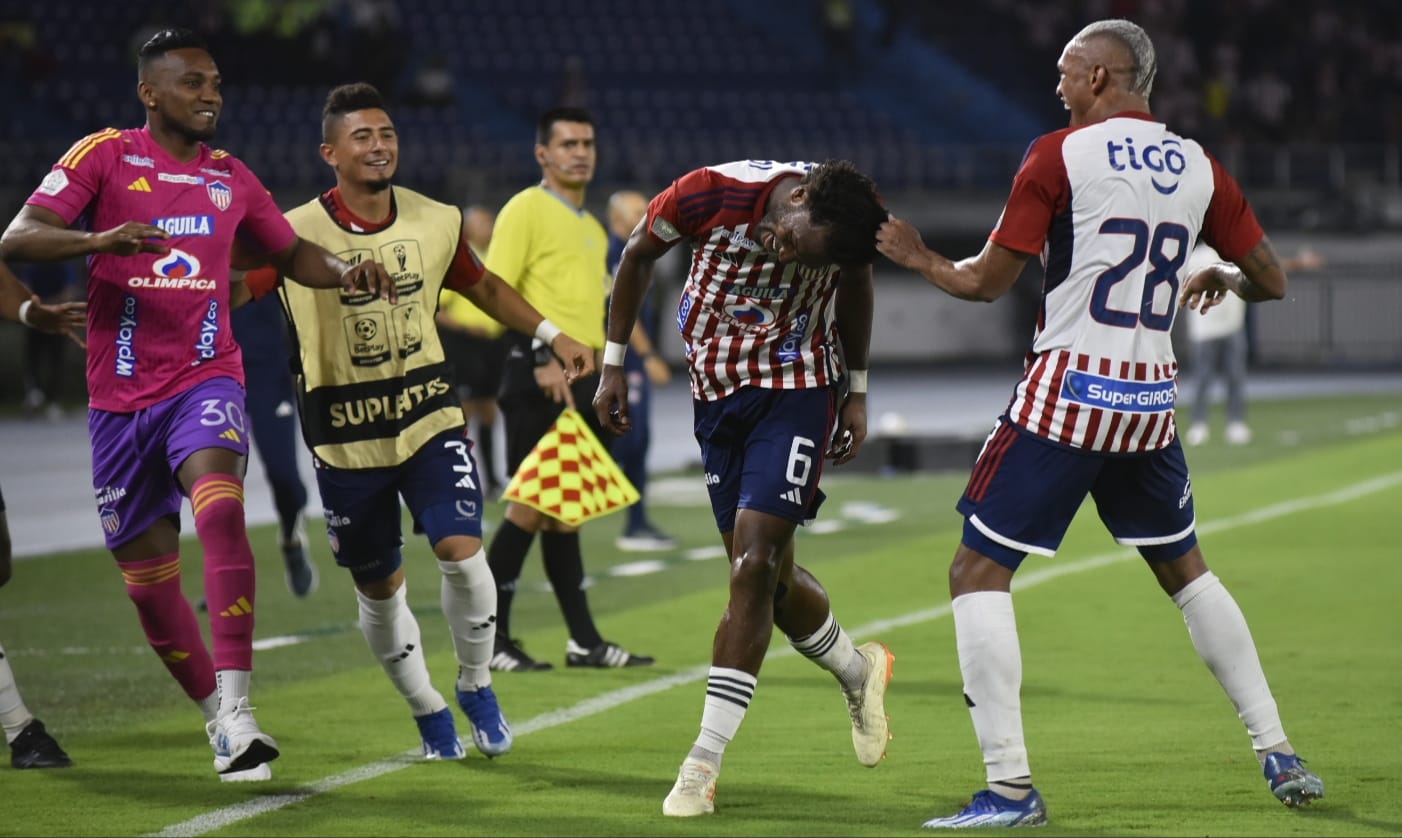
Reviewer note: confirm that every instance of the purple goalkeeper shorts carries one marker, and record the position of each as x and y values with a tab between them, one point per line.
135	456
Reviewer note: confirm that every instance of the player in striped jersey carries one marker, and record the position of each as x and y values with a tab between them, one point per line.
780	279
1114	204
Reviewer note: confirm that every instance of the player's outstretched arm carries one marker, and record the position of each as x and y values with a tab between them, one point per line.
982	278
630	284
40	235
308	263
20	304
505	305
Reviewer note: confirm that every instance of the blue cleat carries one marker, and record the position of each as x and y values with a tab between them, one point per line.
440	735
1292	783
490	731
989	809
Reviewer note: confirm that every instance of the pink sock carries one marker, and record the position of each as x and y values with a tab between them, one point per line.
170	623
217	500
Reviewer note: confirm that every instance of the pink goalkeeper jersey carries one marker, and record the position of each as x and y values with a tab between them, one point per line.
158	323
1114	208
747	319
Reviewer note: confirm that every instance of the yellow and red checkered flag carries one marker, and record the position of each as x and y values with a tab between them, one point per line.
570	476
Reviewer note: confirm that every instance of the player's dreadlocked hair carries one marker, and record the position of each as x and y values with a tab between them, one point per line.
346	99
163	42
844	199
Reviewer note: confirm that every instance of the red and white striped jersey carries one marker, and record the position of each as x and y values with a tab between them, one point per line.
1114	209
746	319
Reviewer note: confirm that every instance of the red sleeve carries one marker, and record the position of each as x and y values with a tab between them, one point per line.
262	281
683	208
466	270
78	175
1230	225
1040	192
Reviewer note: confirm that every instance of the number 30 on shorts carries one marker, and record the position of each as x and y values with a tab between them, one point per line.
213	413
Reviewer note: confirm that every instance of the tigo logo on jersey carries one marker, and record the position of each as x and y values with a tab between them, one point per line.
186	225
221	194
1113	394
126	336
750	314
1167	159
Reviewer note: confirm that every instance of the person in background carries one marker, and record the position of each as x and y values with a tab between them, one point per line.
1220	348
645	369
549	248
472	343
44	352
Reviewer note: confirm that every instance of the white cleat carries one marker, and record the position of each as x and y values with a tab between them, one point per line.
239	745
695	791
867	705
252	775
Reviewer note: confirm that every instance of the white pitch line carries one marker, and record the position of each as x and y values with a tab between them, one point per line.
228	815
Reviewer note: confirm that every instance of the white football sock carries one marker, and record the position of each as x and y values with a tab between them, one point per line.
14	716
728	696
233	685
209	706
393	634
469	601
831	648
1223	640
991	663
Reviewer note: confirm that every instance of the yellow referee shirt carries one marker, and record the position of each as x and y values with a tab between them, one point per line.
556	257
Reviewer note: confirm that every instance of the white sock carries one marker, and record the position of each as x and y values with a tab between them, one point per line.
728	695
393	634
233	685
14	716
991	663
209	706
469	600
831	648
1223	640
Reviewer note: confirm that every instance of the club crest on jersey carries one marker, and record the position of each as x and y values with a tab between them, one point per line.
750	314
221	195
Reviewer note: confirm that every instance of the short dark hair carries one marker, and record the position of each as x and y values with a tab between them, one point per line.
347	98
165	41
547	121
844	199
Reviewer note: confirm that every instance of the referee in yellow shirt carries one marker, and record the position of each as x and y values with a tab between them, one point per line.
554	253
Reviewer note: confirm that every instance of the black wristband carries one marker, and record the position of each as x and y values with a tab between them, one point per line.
542	355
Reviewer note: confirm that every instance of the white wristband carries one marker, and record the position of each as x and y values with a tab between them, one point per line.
614	353
856	381
24	313
547	332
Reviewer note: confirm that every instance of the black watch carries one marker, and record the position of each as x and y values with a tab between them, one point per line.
542	355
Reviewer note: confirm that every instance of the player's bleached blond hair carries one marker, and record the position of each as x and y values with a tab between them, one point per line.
1136	42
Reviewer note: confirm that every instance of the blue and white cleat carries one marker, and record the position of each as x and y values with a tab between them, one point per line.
990	809
491	733
440	735
1292	783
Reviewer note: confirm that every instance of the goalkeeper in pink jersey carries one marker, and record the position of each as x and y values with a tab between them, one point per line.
157	212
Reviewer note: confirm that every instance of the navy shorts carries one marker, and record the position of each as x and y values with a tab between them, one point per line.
763	450
439	485
1025	490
